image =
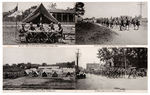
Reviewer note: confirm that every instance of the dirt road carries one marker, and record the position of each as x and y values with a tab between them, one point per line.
131	37
97	82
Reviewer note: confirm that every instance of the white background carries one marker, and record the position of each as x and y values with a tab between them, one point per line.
52	92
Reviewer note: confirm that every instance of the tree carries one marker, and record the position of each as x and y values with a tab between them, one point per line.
28	11
21	65
79	9
28	65
7	65
52	6
44	64
136	57
14	65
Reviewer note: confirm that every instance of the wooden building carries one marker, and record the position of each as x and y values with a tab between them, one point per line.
64	16
92	66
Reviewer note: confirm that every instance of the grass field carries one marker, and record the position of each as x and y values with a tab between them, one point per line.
28	83
90	33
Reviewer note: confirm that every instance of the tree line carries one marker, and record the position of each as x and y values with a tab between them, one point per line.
129	57
23	66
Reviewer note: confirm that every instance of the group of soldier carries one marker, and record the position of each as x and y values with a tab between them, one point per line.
113	72
118	72
39	27
123	22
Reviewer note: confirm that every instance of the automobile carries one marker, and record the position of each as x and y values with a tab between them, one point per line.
81	75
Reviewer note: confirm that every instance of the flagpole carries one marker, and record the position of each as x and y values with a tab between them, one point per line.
16	24
16	28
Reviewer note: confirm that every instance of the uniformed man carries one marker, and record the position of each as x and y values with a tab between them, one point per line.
22	32
31	27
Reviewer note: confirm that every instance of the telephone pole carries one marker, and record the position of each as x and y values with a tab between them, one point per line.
77	59
125	60
141	8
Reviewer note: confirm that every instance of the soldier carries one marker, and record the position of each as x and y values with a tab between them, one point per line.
137	23
22	32
52	26
134	23
121	23
111	22
22	28
59	35
60	30
132	72
31	27
127	23
107	22
41	27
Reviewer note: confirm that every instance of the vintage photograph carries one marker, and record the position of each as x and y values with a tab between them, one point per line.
39	68
112	23
38	23
75	68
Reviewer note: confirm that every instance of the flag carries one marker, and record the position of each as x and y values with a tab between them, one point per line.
15	14
12	11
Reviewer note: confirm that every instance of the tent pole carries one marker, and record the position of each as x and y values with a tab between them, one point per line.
16	28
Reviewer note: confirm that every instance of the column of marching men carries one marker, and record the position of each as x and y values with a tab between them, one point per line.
118	72
123	22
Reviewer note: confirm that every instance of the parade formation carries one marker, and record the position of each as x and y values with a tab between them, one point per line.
123	22
118	72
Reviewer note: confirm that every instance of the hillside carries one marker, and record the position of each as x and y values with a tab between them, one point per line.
90	33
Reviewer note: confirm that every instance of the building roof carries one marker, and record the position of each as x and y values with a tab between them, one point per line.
72	70
93	64
62	11
48	66
40	14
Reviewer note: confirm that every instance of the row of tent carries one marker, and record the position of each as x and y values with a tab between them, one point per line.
40	14
48	72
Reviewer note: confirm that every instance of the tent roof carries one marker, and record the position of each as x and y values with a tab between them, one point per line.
40	14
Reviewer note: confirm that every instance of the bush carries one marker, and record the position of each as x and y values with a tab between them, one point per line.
12	75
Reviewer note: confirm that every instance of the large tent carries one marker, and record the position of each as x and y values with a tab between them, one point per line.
40	14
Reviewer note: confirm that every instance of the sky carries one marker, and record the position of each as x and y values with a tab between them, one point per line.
92	9
115	9
50	55
22	6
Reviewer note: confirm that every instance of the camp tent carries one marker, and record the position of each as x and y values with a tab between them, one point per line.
40	14
31	72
